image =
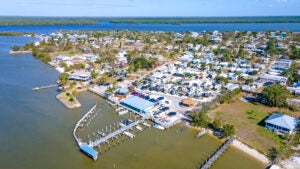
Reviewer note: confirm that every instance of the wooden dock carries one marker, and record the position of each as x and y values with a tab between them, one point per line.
78	124
215	155
44	87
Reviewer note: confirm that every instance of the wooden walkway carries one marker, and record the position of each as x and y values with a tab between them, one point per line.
115	133
217	154
78	124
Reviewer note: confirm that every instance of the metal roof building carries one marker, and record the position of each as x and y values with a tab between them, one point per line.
89	151
137	104
281	122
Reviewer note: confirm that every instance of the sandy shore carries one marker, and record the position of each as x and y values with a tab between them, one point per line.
67	103
254	153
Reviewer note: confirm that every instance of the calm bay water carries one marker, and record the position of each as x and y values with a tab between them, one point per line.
294	27
36	129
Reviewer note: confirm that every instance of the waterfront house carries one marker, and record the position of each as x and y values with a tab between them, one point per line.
231	86
80	76
281	123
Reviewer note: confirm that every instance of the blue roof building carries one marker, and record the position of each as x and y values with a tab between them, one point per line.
281	123
89	151
137	104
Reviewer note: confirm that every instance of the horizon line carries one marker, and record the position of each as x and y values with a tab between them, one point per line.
246	16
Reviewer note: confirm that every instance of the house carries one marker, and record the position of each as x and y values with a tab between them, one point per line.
86	50
282	123
273	78
62	58
80	76
231	86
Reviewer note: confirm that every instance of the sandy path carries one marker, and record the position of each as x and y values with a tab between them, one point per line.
254	153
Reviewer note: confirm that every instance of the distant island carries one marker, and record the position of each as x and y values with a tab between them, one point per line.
14	21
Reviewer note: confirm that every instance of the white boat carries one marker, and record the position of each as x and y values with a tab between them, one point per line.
101	133
146	124
139	128
122	112
130	135
157	126
122	125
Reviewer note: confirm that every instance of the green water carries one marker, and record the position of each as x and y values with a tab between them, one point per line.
36	129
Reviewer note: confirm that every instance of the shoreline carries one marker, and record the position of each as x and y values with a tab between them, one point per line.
67	103
250	151
241	146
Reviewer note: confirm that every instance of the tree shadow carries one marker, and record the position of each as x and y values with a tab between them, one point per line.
262	122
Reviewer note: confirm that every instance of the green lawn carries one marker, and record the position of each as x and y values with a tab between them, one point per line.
247	119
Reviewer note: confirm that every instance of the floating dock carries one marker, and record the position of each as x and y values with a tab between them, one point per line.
217	154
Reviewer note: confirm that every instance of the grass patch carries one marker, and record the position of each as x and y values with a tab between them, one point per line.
248	119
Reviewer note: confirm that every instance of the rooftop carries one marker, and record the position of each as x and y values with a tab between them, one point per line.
282	120
89	150
137	102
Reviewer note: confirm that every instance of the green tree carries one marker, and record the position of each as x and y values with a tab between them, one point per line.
273	154
94	74
200	119
276	95
131	68
216	124
228	130
249	81
63	78
104	78
271	47
74	93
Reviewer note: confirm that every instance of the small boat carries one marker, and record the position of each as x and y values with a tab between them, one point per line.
125	123
101	133
122	112
146	124
139	128
130	135
157	126
36	88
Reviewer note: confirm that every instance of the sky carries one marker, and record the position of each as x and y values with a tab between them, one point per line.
150	8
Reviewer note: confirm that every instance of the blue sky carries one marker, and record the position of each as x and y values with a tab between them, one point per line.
149	7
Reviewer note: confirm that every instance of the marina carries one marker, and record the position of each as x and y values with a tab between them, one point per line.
46	114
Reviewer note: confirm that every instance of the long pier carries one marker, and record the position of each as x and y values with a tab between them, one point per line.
115	133
78	124
217	154
44	87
